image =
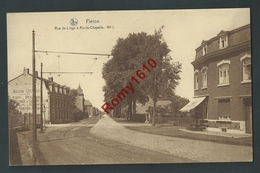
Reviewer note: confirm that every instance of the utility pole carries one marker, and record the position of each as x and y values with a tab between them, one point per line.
41	101
33	89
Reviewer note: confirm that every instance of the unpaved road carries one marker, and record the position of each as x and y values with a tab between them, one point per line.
72	144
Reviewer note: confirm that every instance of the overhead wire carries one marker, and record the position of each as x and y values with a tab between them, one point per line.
78	53
92	64
159	22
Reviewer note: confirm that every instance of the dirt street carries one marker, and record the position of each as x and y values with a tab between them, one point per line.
73	144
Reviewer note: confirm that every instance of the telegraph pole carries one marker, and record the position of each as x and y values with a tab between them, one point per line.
41	101
33	89
34	116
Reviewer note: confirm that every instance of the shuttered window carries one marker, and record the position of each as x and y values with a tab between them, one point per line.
224	109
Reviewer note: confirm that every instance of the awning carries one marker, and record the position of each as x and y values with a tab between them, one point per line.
192	104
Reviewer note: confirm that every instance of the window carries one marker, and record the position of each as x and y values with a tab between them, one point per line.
196	79
223	68
204	77
57	102
56	89
60	89
52	102
223	41
204	49
246	62
50	87
224	109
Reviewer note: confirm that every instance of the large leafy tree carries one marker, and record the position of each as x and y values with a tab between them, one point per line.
75	112
129	55
12	106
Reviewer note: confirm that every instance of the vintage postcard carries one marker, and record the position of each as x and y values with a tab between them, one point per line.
129	87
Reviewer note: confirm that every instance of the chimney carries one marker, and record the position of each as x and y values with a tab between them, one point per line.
25	71
51	79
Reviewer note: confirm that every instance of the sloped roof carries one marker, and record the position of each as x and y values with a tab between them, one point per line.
222	32
79	90
87	103
39	78
142	109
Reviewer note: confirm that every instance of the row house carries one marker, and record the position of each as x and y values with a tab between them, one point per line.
55	97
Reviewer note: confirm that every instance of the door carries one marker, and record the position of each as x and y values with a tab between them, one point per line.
248	115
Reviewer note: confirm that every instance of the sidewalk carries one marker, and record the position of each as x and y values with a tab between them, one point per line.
200	151
214	133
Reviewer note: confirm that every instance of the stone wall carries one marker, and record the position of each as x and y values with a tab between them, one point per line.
229	125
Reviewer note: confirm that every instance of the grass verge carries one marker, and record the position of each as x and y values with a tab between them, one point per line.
173	131
14	151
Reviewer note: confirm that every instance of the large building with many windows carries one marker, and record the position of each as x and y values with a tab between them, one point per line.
55	97
222	81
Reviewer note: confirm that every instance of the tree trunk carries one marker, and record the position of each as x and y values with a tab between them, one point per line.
130	109
154	111
134	106
120	110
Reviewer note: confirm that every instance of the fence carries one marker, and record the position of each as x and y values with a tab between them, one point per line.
22	121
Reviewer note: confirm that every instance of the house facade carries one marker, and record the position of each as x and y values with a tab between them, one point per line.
80	99
88	108
55	97
222	81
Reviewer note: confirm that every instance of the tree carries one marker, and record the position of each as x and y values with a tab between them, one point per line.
12	106
178	103
129	55
76	113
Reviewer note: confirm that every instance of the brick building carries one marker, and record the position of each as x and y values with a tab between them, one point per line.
55	97
222	81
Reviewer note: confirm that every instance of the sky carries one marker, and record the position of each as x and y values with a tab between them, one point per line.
183	32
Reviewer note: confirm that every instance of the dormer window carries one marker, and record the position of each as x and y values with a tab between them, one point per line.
223	41
56	88
50	87
205	50
204	47
64	89
60	89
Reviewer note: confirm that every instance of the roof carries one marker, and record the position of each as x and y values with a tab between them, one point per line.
79	90
15	78
223	32
87	103
39	78
142	109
